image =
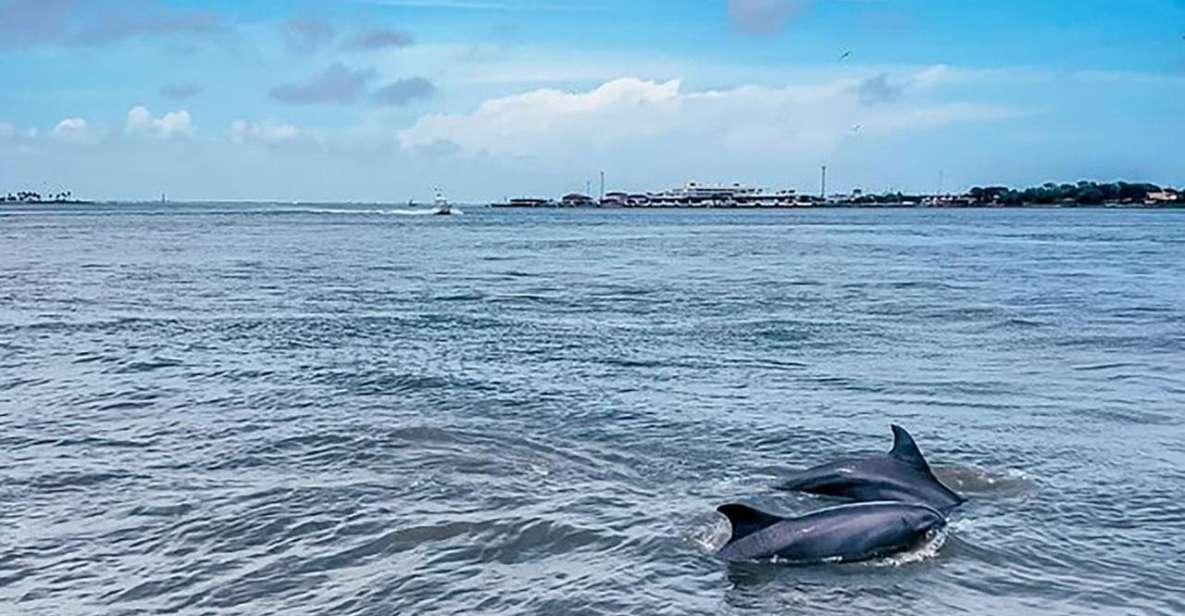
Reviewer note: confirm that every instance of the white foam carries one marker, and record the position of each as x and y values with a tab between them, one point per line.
926	550
711	537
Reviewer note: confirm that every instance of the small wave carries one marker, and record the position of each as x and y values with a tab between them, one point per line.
970	480
156	363
1106	366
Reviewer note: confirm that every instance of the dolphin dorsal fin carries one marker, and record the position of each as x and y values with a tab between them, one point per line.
746	520
905	449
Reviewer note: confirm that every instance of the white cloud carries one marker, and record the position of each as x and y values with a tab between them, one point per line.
172	124
267	132
660	116
620	110
934	75
72	130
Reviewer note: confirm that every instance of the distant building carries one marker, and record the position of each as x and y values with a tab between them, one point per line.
615	199
736	195
1163	196
527	202
577	200
637	200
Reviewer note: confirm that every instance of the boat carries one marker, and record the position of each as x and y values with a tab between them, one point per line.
440	205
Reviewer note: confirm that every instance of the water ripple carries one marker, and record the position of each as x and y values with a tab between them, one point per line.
324	409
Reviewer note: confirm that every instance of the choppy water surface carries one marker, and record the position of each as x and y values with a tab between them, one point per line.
255	409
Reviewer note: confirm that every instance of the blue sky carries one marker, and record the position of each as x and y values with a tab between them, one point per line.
383	99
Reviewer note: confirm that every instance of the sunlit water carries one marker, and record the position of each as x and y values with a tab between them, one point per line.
343	410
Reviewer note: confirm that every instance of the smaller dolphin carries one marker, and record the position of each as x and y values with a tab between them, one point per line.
900	475
846	533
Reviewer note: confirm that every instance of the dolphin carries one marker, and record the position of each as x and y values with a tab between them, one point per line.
845	533
900	475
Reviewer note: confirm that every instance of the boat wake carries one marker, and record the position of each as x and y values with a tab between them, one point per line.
369	212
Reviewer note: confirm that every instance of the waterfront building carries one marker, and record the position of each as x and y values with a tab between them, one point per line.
528	202
577	200
615	199
736	195
1162	196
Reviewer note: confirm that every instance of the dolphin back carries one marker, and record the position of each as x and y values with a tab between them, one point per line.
844	533
902	474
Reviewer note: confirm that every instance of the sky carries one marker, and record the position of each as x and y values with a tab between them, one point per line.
382	100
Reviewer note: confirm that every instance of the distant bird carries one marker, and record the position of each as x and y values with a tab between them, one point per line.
845	55
856	128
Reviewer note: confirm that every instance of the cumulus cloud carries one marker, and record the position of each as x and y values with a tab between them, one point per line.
25	23
337	84
172	124
403	91
181	90
764	17
641	115
268	132
304	35
378	38
72	130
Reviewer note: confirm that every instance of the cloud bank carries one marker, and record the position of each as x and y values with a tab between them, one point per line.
648	116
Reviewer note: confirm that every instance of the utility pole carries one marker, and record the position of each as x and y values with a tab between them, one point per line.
823	184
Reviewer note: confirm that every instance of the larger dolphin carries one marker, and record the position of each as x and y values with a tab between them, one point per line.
845	533
900	475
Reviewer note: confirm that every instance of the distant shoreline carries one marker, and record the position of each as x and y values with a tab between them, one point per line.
502	206
737	196
49	202
862	206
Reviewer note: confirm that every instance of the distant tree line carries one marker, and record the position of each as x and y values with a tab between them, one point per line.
888	198
1082	193
28	196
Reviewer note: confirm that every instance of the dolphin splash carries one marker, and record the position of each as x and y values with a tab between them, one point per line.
900	475
846	533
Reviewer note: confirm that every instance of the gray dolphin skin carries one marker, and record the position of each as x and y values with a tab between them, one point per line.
900	475
846	533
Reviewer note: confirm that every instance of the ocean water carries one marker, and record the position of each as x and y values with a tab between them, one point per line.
264	409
